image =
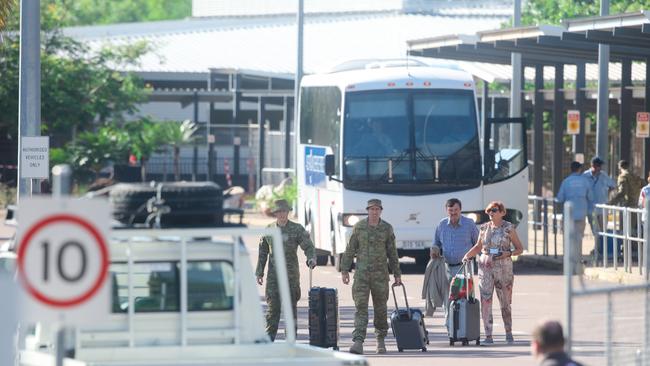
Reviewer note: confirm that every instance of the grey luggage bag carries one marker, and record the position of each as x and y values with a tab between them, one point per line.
464	316
408	326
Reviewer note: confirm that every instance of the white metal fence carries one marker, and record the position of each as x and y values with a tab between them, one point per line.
615	320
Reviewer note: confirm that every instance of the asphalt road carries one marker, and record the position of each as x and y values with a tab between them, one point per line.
538	294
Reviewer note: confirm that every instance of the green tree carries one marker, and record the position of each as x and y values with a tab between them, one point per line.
94	150
554	11
79	87
144	138
176	135
6	6
87	12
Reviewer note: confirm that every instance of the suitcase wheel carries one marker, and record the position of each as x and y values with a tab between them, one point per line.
424	349
478	342
451	342
400	350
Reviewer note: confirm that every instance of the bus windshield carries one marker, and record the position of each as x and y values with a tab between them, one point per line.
411	141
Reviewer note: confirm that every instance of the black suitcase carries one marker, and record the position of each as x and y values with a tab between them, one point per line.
323	316
408	326
464	318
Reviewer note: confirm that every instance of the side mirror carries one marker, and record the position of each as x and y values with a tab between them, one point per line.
329	165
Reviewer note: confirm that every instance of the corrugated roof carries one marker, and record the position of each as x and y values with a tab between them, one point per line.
267	44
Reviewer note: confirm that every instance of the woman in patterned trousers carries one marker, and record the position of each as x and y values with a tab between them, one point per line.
497	243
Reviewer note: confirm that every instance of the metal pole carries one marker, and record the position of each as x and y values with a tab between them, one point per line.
545	226
195	156
603	93
29	90
61	180
517	78
61	186
646	242
568	271
608	330
296	97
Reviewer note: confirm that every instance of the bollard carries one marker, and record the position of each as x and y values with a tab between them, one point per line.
568	271
545	227
61	180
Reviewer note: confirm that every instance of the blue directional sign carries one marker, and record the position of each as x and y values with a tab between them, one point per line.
315	166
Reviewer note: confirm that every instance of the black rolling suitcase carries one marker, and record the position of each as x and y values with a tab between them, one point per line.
464	318
323	316
408	326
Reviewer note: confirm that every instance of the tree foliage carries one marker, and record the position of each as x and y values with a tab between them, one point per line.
6	7
554	11
80	87
87	12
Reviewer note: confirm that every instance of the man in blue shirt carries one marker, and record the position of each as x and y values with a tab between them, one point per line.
602	184
455	235
577	189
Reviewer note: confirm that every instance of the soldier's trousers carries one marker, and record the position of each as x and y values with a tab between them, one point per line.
274	308
364	286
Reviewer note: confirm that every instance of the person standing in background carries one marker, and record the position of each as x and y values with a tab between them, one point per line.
578	190
602	184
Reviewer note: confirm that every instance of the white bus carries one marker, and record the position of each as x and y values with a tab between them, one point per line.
408	134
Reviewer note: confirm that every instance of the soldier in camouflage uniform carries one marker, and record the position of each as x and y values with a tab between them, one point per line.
293	236
628	187
373	244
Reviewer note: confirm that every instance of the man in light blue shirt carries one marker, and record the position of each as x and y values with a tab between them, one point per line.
455	235
577	189
602	184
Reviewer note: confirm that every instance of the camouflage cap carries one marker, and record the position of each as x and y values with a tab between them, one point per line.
281	205
374	202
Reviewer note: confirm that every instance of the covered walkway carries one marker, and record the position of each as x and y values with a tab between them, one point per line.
573	43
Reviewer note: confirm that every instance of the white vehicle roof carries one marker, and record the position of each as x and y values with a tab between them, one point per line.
397	77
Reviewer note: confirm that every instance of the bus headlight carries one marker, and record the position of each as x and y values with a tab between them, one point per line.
479	217
351	219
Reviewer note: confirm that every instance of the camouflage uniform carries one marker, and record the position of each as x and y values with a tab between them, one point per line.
372	246
629	186
293	235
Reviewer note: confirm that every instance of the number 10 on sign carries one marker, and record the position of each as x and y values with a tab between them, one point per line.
63	257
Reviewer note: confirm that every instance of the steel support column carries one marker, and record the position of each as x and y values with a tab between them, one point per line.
288	121
580	104
211	114
195	156
236	111
625	112
558	126
484	104
538	131
261	119
646	103
602	105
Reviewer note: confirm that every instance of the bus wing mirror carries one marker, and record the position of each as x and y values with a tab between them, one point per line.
329	165
330	168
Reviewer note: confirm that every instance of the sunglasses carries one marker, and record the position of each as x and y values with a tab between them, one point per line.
494	209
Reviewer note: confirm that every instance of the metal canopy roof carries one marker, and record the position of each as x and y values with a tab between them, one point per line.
576	41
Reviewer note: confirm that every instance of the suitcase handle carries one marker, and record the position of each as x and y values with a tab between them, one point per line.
463	268
406	300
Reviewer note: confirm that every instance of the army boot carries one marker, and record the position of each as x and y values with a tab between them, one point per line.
357	348
381	346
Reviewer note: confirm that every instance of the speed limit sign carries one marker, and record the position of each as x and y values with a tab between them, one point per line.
63	258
